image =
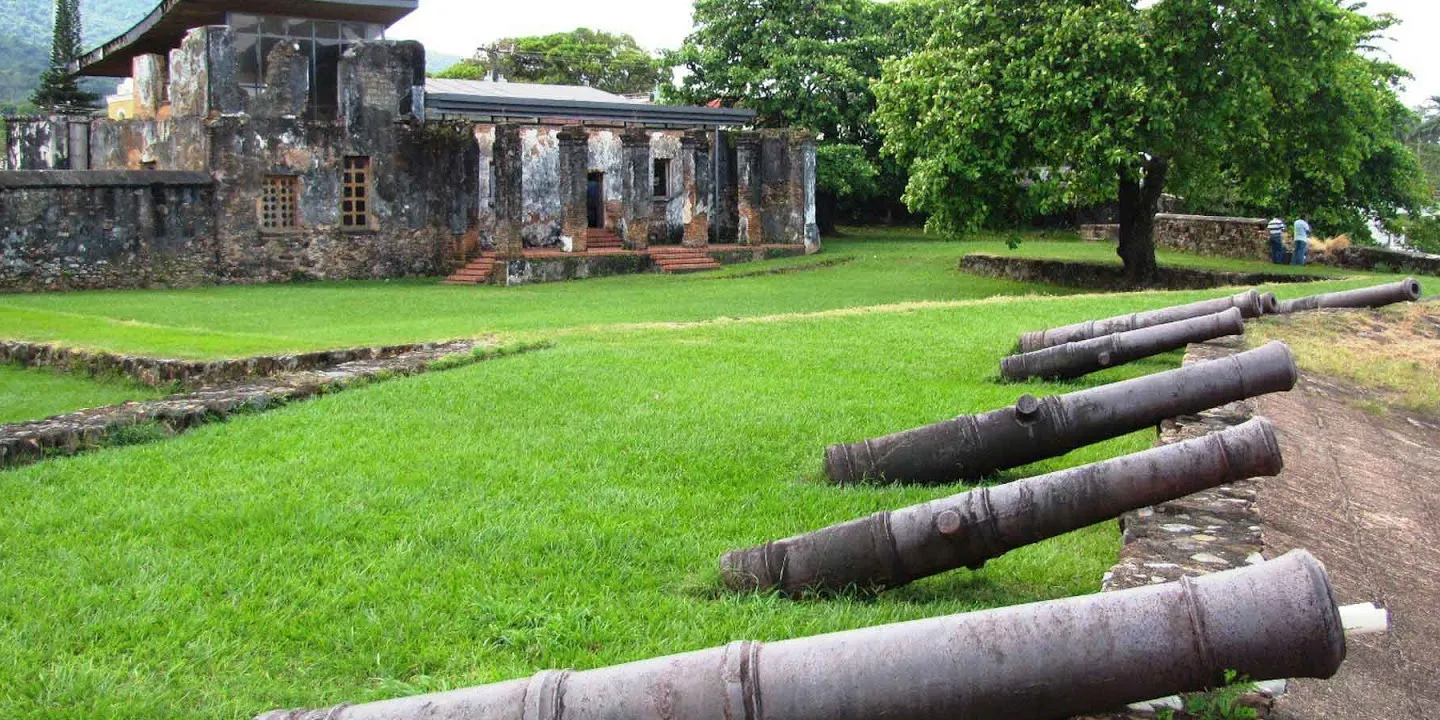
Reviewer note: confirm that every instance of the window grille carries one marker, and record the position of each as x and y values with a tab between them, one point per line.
279	202
355	201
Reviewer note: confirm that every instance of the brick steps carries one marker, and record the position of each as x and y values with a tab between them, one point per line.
476	272
678	260
598	239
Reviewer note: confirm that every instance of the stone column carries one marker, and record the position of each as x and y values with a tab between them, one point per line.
203	81
802	227
695	168
636	171
574	141
747	188
509	191
150	76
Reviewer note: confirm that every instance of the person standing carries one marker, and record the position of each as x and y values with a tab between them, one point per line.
1278	255
1302	242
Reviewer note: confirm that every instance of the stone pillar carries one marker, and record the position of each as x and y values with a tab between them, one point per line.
151	78
509	191
574	141
696	169
639	203
747	188
203	82
381	82
287	84
802	158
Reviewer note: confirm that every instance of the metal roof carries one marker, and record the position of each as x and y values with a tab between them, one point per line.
162	30
507	101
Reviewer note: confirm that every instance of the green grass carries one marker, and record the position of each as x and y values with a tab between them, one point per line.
561	508
33	394
883	267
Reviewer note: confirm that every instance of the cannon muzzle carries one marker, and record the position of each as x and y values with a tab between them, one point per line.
1249	303
890	549
1032	662
1407	290
973	446
1077	359
1269	303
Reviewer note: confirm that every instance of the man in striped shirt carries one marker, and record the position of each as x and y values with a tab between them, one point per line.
1278	254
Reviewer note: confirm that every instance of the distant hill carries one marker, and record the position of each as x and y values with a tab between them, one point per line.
25	27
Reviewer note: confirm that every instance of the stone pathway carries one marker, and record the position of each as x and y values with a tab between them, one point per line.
1362	492
30	442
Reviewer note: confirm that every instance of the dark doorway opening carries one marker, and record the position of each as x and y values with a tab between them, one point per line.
595	199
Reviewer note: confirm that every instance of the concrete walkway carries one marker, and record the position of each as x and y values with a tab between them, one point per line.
1362	492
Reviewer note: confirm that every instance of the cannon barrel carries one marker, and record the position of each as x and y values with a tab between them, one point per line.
1407	290
1033	662
973	446
1077	359
890	549
1269	303
1249	303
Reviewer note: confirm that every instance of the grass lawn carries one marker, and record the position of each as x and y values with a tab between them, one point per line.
33	394
563	508
875	268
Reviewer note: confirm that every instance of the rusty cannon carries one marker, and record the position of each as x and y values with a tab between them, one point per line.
1077	359
1407	290
1250	303
890	549
1033	662
973	446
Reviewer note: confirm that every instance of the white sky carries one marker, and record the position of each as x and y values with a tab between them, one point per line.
458	27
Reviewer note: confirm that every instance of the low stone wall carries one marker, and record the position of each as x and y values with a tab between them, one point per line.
531	271
25	443
1105	277
1382	260
105	229
191	374
1100	233
1239	238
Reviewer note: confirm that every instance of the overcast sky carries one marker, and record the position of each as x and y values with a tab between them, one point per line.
457	27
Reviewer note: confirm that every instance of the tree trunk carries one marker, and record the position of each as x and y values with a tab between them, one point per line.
1139	201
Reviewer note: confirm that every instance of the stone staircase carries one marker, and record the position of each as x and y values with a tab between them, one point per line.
602	239
475	272
676	259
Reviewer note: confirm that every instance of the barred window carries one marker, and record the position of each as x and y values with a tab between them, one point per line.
355	200
279	202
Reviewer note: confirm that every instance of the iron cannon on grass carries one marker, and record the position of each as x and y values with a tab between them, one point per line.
1030	662
1250	303
890	549
971	447
1407	290
1078	359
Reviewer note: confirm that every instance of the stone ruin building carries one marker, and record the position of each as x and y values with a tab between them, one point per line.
274	140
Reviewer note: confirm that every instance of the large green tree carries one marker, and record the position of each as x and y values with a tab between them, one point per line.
1018	107
804	63
613	63
58	91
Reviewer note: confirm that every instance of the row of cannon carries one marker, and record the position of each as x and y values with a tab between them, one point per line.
1276	620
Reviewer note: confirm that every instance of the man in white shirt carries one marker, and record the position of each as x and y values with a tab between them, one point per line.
1277	242
1302	241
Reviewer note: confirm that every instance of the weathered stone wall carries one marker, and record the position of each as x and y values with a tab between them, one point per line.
93	229
57	142
1381	260
1240	238
1100	233
1105	277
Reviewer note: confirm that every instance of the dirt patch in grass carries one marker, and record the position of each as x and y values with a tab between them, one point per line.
1393	352
784	269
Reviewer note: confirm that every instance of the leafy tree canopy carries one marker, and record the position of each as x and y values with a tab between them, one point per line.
613	63
803	63
1017	107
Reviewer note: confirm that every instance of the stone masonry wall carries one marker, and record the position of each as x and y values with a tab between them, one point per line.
1239	238
1107	277
93	229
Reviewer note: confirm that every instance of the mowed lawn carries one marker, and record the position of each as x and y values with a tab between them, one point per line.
562	508
32	394
874	268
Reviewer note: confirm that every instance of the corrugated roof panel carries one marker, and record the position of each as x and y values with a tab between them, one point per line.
520	91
